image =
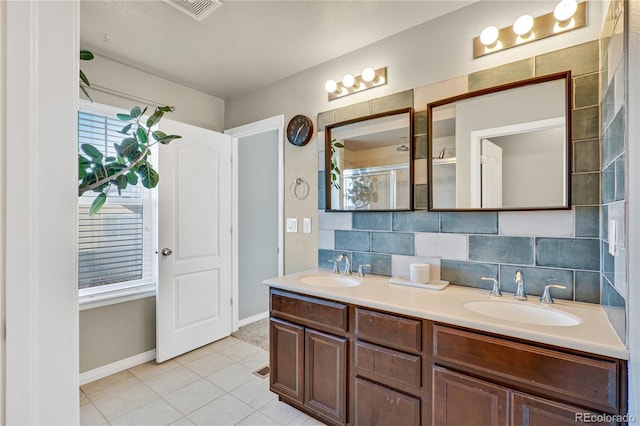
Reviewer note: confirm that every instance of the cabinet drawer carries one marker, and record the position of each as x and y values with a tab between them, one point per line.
379	405
382	363
317	313
568	377
389	330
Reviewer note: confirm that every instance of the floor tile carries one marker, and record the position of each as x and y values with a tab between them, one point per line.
257	360
232	376
226	410
90	416
193	355
172	380
110	384
83	398
151	369
257	419
237	350
156	413
283	413
182	422
125	400
194	396
255	392
313	422
209	364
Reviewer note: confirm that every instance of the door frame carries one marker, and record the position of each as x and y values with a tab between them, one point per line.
262	126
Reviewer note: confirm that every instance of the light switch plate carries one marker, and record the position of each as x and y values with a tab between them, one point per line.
612	237
306	225
292	224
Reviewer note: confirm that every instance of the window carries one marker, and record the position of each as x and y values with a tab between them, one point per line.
116	246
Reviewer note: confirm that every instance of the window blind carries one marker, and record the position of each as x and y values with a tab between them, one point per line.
115	246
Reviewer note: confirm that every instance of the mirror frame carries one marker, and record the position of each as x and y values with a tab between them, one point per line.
566	75
327	160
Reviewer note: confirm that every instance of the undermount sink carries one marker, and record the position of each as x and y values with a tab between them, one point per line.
329	280
523	313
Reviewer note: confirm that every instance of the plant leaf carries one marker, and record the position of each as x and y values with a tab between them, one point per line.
125	130
92	152
123	117
168	139
86	55
166	108
122	182
135	112
158	134
97	203
338	145
142	135
84	78
84	90
157	115
148	176
128	147
132	178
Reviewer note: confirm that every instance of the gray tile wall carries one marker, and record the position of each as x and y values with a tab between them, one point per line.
613	268
548	246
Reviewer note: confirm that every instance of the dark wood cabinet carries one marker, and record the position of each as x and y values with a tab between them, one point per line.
309	368
462	400
528	410
326	374
350	365
377	405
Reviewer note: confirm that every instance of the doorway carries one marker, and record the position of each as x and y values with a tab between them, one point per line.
258	215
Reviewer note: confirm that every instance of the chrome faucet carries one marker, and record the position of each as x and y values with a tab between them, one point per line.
546	294
520	293
361	270
347	263
495	291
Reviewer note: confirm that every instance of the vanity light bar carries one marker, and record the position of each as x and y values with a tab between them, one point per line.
543	26
350	84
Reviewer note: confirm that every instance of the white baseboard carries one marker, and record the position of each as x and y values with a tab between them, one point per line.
253	318
116	367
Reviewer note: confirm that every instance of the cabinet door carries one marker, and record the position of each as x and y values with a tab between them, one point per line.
462	400
377	405
326	375
529	410
287	358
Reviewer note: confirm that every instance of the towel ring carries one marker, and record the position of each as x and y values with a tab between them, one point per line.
299	189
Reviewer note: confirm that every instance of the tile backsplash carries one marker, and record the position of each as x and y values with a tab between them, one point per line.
561	246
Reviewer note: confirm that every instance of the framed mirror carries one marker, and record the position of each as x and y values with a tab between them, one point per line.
502	148
368	163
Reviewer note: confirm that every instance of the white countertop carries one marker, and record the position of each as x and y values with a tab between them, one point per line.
594	334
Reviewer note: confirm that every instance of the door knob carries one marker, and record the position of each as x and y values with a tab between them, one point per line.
166	252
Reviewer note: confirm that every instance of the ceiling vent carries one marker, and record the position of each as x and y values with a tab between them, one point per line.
197	9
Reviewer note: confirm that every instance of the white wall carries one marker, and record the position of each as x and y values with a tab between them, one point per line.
40	94
122	86
426	54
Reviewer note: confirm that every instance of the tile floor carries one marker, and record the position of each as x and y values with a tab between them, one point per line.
212	385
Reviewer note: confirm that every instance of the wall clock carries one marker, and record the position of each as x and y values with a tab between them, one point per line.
300	130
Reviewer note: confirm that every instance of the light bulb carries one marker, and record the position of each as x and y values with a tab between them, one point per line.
348	80
330	86
368	74
565	10
523	25
489	35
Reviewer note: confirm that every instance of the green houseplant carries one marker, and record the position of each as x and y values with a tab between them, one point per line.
130	166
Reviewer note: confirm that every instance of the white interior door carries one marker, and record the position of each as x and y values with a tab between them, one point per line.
193	305
491	174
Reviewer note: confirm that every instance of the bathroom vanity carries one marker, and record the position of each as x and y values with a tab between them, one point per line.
381	354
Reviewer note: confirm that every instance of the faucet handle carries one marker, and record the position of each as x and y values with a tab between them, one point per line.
335	266
495	291
546	294
361	271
